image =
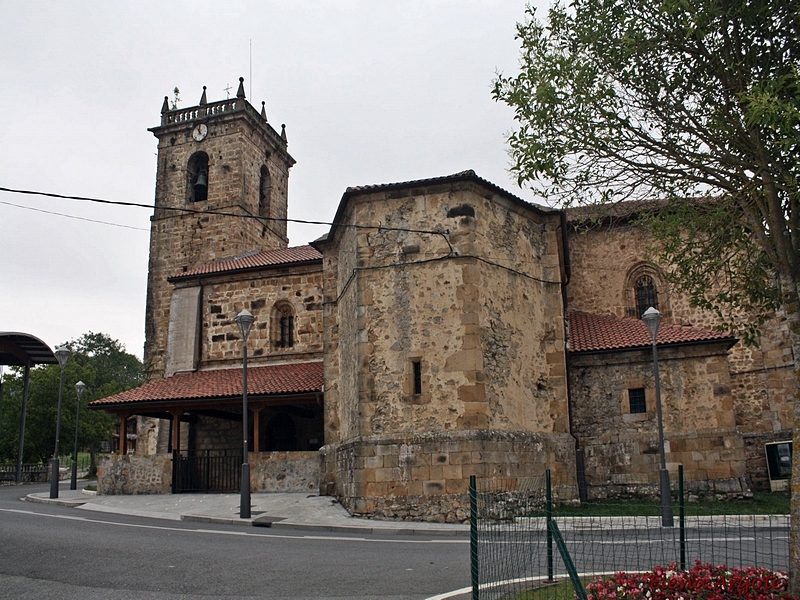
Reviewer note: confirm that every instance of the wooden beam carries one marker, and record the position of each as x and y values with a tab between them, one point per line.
256	428
176	429
123	433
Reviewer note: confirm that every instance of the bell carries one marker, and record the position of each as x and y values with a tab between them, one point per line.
201	187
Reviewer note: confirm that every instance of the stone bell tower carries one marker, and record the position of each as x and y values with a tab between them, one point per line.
221	190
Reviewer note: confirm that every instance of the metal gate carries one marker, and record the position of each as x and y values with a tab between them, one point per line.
206	471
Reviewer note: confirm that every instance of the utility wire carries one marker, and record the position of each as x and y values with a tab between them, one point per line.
217	212
50	212
379	227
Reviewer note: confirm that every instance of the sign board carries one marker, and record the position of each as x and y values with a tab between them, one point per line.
779	464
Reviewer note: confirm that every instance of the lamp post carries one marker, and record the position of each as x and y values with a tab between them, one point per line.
73	482
62	354
1	392
652	320
245	321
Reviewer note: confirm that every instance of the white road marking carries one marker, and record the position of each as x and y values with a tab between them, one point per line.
494	584
236	533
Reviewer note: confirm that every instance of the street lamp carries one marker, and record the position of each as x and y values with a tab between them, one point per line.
652	320
73	483
245	321
62	354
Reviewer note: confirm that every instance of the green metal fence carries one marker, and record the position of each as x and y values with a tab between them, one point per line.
526	546
40	472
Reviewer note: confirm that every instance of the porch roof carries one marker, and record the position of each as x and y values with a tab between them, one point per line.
219	384
257	260
603	333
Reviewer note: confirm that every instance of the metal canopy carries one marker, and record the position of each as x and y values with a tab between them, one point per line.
24	350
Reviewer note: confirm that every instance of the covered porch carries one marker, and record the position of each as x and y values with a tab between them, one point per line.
201	417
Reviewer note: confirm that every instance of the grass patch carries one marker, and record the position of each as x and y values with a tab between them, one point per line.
562	590
762	503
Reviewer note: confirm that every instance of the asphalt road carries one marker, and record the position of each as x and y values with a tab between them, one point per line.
62	553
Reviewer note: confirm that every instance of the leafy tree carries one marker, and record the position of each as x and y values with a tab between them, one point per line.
102	364
693	106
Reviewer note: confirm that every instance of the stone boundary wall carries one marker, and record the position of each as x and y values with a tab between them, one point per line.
132	474
269	472
284	471
628	466
426	477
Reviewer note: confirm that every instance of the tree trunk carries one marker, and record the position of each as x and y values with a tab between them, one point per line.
792	307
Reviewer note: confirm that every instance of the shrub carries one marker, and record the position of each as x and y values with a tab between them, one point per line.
702	581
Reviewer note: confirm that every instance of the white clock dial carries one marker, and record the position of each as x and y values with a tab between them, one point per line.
200	132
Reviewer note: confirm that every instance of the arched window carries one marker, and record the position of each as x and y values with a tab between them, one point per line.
646	294
645	287
264	186
197	177
283	326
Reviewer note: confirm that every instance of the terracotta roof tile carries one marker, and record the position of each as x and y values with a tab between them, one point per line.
468	174
614	211
428	181
593	333
256	260
294	378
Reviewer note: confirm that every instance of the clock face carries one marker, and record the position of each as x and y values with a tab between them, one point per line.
200	132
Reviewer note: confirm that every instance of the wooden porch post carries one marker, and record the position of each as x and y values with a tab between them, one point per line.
123	433
176	430
256	427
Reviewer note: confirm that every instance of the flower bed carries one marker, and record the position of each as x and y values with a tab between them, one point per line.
702	581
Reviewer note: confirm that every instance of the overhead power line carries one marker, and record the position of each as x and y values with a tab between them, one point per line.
444	233
51	212
216	212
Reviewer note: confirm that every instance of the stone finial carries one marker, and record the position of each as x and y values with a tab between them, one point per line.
283	132
203	100
240	91
165	106
263	110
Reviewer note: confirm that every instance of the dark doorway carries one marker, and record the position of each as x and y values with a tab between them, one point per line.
281	433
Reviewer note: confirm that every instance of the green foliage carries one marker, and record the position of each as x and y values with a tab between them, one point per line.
633	100
101	363
176	98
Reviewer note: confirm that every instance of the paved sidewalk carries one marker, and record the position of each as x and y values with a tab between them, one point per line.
277	510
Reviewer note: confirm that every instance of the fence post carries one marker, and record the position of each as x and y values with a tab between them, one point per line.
549	518
473	535
682	518
577	585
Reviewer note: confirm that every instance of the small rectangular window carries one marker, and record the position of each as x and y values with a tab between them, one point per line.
636	397
417	365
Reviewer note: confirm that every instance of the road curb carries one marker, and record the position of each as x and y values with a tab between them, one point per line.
404	529
72	502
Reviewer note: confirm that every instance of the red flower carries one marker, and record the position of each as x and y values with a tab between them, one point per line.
702	582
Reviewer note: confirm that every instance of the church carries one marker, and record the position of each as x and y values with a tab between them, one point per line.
442	328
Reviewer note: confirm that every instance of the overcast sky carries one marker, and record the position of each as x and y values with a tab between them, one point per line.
370	92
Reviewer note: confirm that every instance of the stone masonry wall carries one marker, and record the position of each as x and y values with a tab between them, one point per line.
621	448
486	325
269	472
340	336
761	379
131	474
223	299
284	471
426	477
237	146
478	308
